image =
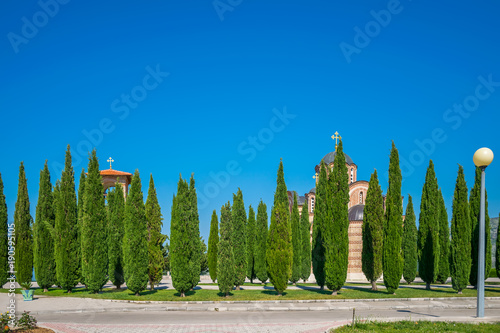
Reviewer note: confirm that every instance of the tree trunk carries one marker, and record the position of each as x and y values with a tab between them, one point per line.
45	290
182	294
460	292
137	294
227	294
334	293
427	286
237	288
280	294
69	291
294	284
322	288
374	285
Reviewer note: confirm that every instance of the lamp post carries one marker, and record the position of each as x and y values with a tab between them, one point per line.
482	158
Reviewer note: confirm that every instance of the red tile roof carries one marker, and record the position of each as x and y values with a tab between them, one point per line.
111	172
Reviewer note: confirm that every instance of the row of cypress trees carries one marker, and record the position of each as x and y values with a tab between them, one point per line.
428	249
84	241
244	247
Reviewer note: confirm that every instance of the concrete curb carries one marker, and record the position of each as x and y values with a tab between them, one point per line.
301	305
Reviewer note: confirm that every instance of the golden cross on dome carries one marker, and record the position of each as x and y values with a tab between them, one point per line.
315	176
336	137
110	160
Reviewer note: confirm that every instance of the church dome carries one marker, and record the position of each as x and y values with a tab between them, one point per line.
331	156
356	213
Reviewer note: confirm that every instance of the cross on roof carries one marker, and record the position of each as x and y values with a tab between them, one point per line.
110	160
336	137
315	176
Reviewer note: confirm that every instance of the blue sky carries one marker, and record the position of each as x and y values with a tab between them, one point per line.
226	88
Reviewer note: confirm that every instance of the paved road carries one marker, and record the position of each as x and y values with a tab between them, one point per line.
286	321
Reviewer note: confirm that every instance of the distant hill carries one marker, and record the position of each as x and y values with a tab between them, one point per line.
493	230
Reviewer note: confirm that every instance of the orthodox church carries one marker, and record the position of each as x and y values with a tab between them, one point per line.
357	196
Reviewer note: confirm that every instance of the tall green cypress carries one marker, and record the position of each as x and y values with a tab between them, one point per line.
94	231
428	229
296	242
410	257
24	236
4	263
239	240
45	264
213	244
393	226
337	247
444	242
250	235
279	254
373	235
135	241
305	235
225	256
194	227
460	235
66	247
80	209
155	238
319	227
475	210
116	215
184	239
261	242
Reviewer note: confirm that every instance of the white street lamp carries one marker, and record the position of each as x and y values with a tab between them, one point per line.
482	158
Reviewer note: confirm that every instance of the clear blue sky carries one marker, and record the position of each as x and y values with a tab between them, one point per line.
172	87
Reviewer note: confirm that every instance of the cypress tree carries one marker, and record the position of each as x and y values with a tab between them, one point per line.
116	215
428	229
279	254
410	257
24	236
373	236
305	235
213	244
392	261
261	242
225	256
444	242
460	235
94	231
80	210
66	247
194	223
155	238
45	264
296	242
4	252
135	242
475	210
250	234
239	240
184	239
319	226
337	247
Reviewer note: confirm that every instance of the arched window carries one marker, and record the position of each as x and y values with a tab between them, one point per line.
312	205
352	175
361	197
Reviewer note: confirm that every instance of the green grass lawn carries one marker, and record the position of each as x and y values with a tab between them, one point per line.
349	292
418	326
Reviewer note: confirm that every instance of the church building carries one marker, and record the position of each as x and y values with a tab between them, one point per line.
357	196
